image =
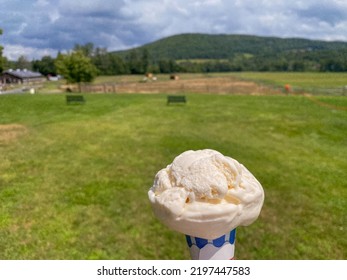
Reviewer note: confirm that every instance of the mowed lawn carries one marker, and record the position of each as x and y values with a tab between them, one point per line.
74	179
320	83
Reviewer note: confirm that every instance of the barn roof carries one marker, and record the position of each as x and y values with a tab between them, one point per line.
23	74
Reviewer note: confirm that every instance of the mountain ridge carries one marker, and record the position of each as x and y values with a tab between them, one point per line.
226	46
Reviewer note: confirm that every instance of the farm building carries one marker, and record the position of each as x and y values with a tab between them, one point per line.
21	77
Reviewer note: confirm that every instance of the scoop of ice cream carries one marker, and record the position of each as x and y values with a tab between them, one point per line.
205	194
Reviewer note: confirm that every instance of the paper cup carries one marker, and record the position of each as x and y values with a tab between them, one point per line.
222	248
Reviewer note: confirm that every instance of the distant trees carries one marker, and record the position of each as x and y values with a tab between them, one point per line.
87	49
168	66
45	66
22	63
138	61
1	58
235	53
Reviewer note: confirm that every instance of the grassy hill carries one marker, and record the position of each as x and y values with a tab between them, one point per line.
207	46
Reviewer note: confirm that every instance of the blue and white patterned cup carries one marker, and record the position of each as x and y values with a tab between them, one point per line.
221	248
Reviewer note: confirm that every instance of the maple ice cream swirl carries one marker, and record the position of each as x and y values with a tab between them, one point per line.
205	194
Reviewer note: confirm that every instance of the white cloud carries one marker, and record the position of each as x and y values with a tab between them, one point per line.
54	15
13	52
60	24
41	3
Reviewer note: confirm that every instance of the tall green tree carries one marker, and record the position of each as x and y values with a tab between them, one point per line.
134	63
45	66
22	63
1	59
76	67
87	49
101	61
145	60
118	66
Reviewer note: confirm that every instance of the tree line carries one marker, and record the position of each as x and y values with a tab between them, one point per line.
1	58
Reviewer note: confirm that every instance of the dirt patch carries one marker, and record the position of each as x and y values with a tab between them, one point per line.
214	85
11	132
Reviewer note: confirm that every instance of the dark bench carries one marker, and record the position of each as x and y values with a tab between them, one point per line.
75	99
176	99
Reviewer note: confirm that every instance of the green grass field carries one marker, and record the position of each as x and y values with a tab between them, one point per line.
74	179
311	81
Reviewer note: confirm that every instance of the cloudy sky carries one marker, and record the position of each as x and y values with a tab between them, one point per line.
34	28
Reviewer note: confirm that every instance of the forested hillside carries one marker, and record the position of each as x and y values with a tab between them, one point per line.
205	46
214	53
211	53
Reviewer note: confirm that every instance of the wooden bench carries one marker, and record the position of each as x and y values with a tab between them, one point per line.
75	99
176	99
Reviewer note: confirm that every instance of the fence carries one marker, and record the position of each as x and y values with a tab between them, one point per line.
215	85
338	91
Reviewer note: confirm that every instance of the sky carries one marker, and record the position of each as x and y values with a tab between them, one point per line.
35	28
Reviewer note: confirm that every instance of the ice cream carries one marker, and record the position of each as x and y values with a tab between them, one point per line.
205	194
